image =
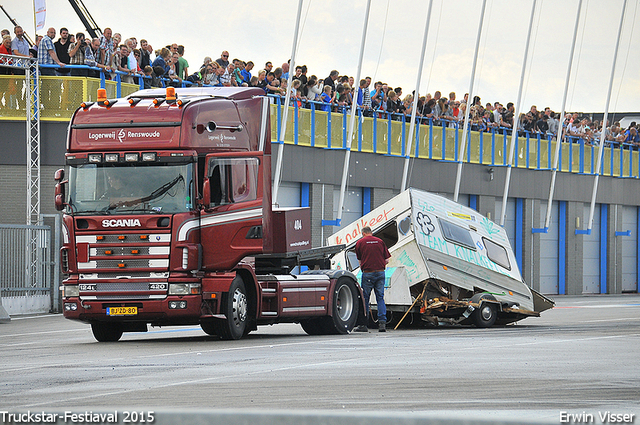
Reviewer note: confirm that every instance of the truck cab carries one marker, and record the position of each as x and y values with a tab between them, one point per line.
168	219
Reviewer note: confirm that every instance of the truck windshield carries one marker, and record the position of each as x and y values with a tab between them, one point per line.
130	188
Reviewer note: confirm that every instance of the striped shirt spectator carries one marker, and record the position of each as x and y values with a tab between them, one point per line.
45	46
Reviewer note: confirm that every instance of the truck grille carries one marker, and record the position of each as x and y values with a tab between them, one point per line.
123	266
121	286
121	250
124	275
128	263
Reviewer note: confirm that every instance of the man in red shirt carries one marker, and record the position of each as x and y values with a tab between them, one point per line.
373	256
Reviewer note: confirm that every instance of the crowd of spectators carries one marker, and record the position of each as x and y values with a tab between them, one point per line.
167	66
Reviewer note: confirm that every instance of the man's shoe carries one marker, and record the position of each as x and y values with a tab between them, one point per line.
361	328
382	327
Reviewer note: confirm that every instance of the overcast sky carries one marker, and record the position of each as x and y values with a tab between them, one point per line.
331	31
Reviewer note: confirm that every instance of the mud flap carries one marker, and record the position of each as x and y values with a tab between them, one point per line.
540	302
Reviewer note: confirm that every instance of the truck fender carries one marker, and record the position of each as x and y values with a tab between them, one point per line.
218	283
332	274
335	275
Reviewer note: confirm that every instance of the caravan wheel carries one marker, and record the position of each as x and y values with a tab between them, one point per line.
484	316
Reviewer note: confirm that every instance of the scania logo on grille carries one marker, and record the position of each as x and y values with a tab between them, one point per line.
129	222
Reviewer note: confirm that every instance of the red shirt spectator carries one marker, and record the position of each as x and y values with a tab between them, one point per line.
372	253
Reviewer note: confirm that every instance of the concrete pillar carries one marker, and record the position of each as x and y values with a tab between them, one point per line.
381	195
614	250
575	248
531	217
321	201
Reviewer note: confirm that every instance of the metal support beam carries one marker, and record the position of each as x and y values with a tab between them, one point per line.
416	96
465	127
516	120
32	84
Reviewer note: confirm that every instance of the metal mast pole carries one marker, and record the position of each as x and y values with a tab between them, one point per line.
405	171
556	156
352	119
604	120
516	120
278	173
466	112
33	140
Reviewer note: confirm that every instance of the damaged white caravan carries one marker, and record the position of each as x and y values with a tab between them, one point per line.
449	264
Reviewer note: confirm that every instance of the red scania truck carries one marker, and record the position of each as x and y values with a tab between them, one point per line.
168	221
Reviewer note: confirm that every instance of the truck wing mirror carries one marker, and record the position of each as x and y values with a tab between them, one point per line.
206	193
60	190
59	175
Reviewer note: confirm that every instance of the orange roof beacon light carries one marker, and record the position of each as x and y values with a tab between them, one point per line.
102	99
102	95
171	95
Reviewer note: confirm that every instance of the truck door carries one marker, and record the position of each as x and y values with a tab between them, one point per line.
231	220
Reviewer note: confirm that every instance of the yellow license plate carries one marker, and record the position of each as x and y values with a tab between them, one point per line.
122	311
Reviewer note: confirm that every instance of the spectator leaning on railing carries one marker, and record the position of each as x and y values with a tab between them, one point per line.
91	57
76	53
335	93
47	53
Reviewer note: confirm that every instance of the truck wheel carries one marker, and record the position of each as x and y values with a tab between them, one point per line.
236	309
315	326
484	316
345	306
209	327
106	332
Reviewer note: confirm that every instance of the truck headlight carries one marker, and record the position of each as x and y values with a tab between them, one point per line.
184	288
71	290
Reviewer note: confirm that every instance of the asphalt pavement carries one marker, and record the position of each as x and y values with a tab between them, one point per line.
581	358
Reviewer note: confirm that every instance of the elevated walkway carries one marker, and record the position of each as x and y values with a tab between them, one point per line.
309	126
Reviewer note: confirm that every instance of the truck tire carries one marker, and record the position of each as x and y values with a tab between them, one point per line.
235	308
484	316
209	327
107	332
345	306
316	326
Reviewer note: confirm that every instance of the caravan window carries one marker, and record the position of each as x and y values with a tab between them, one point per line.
497	253
388	234
456	234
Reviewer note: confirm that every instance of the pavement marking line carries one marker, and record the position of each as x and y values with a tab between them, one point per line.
596	306
44	333
611	320
35	317
220	350
18	345
244	348
190	382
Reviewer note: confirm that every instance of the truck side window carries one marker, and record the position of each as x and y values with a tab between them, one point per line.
218	186
233	180
497	253
352	259
456	234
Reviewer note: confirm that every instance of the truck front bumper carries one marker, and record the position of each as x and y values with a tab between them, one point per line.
169	311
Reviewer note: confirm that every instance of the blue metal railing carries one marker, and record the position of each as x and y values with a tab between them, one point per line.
440	140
